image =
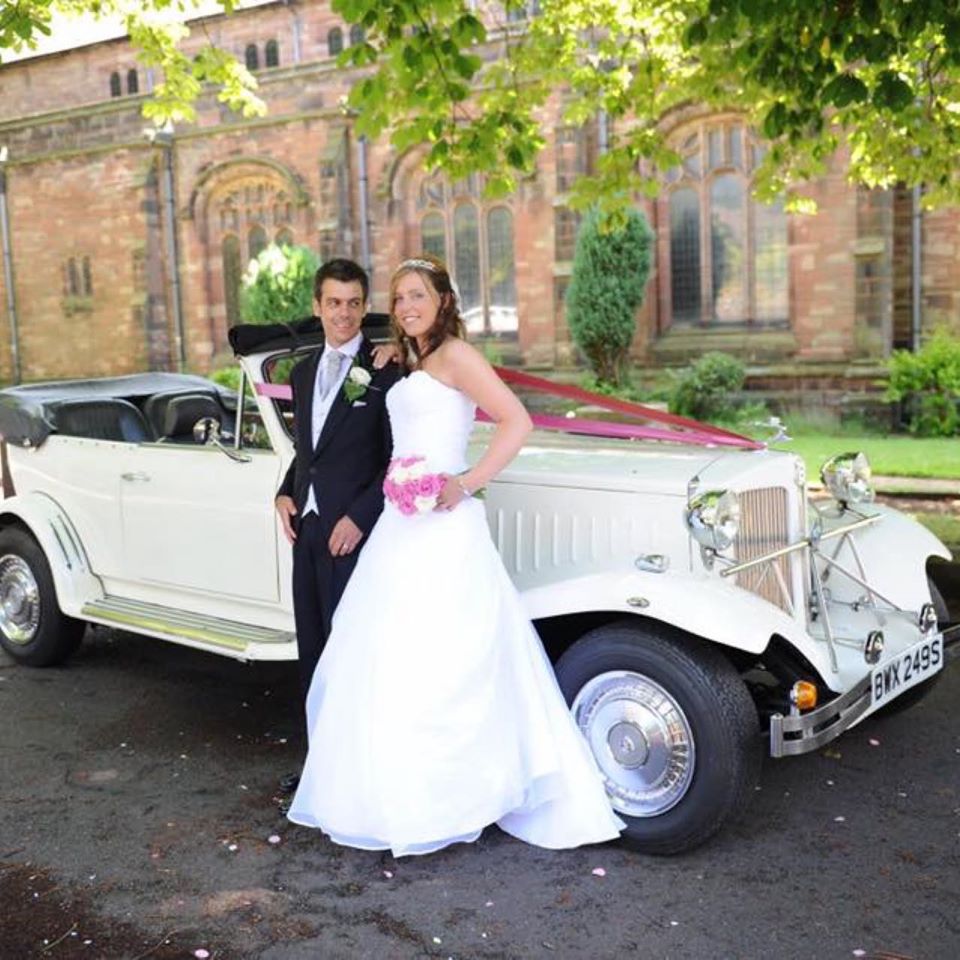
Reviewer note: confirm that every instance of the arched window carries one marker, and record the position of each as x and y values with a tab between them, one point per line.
87	287
357	34
73	278
251	57
501	271
728	253
115	90
685	255
466	248
476	242
133	82
232	274
284	238
271	54
256	241
432	236
335	41
770	262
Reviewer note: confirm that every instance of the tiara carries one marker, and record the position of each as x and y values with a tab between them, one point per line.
417	264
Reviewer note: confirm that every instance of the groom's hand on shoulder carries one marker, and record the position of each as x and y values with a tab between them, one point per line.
287	510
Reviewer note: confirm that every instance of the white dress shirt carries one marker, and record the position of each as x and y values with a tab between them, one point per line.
320	407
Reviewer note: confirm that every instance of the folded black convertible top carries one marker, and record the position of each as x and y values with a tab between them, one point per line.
28	413
247	338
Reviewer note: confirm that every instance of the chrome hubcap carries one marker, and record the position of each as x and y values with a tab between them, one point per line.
19	600
641	740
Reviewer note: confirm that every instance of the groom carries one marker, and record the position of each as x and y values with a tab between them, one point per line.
332	493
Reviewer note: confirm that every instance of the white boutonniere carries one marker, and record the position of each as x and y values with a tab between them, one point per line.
357	382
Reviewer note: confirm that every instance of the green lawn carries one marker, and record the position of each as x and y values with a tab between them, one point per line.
889	456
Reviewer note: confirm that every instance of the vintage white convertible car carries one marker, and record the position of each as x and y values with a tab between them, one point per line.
695	604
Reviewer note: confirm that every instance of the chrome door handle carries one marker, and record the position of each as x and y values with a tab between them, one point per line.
134	477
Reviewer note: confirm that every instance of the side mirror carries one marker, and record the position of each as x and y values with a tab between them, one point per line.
207	430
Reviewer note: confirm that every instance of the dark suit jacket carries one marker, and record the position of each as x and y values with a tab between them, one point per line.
350	460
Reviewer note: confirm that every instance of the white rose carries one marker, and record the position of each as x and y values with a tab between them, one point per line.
360	376
400	475
424	504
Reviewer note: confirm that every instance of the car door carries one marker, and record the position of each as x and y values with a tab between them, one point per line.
194	518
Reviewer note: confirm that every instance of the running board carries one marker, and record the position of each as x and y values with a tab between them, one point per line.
152	618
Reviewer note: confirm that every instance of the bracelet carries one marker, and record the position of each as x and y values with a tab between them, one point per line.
466	490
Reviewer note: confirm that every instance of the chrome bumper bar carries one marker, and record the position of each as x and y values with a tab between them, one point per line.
794	735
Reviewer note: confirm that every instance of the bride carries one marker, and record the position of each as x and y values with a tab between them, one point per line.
434	711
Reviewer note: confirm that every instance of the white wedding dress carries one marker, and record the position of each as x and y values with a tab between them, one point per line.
434	710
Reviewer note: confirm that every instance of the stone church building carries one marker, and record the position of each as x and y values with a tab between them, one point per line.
126	252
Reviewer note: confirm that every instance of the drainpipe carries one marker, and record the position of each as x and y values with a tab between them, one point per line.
164	139
364	218
8	269
916	269
297	38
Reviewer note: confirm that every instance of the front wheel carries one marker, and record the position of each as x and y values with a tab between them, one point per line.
33	630
672	727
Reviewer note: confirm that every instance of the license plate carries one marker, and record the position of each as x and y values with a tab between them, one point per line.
913	666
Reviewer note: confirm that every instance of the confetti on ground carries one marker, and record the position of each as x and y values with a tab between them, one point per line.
874	743
839	819
388	874
232	847
674	923
437	940
829	783
859	953
201	954
599	872
273	838
489	903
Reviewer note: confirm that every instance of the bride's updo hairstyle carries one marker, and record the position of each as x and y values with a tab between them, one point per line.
449	323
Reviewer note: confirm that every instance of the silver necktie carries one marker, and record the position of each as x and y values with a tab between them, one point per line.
331	372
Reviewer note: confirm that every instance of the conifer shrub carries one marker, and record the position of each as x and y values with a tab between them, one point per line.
611	267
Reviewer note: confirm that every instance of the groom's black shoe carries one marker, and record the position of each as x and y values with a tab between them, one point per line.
288	784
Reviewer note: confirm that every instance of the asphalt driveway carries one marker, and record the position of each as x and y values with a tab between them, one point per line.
136	821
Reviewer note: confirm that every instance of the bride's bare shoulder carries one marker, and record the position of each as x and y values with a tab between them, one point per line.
458	353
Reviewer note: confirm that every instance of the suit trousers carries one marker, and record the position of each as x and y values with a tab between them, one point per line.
319	580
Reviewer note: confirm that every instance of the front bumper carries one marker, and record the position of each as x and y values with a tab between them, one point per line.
793	735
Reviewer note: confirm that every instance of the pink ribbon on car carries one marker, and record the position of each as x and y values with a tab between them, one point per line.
675	429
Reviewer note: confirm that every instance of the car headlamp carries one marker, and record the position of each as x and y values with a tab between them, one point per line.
714	518
847	477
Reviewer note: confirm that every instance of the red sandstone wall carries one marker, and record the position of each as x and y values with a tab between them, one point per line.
76	184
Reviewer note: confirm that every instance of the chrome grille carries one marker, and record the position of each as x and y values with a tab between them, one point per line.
765	527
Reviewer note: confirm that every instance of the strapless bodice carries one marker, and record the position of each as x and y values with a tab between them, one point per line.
431	420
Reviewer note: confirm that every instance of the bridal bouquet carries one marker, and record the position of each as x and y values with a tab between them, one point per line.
410	487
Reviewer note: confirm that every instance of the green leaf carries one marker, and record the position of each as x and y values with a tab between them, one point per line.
892	91
775	122
845	89
696	33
